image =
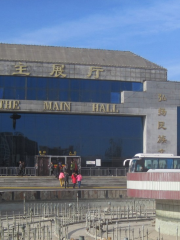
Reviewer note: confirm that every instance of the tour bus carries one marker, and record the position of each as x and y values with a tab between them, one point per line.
157	162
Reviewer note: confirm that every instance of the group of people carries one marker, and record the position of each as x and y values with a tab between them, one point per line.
75	178
55	171
62	173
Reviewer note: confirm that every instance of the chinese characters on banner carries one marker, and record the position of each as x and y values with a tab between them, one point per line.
161	125
58	70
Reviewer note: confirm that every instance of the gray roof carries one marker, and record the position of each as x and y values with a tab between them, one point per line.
49	54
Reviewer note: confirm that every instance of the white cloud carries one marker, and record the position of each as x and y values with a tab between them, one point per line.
161	17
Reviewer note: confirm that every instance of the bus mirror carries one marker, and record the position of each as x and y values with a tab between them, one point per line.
125	161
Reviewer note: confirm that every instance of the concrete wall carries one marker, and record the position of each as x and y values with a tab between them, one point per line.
154	185
167	216
82	71
62	195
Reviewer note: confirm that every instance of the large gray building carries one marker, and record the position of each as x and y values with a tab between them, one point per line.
98	104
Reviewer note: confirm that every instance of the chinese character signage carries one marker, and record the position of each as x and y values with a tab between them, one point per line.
21	69
161	124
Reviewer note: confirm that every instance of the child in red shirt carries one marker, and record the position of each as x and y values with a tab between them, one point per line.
74	179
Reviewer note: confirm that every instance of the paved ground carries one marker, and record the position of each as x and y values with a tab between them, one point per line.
40	183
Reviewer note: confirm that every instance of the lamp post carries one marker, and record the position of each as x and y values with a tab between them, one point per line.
14	117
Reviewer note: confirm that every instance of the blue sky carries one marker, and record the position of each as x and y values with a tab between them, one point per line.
149	28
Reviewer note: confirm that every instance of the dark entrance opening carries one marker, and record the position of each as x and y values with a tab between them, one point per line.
43	161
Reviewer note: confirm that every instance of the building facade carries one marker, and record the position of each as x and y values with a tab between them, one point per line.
97	104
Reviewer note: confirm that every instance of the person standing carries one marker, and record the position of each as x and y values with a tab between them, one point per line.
57	172
66	179
60	165
75	167
23	168
61	178
72	166
51	168
64	168
74	179
20	169
36	169
79	178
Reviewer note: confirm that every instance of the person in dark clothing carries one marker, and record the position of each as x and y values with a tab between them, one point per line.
23	168
60	165
75	167
66	179
65	168
72	166
20	169
58	169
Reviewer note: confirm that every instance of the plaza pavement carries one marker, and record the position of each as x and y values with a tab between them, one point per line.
50	182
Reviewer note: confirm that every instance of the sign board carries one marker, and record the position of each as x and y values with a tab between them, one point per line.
98	162
90	162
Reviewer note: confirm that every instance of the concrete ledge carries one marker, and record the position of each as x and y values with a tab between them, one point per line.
65	194
167	216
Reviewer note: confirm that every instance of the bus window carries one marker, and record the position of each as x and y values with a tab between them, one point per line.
154	163
162	164
169	163
140	166
177	163
147	164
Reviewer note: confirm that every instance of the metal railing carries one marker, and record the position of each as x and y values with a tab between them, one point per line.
94	171
85	171
54	220
14	171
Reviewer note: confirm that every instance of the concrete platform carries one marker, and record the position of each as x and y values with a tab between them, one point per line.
48	188
32	182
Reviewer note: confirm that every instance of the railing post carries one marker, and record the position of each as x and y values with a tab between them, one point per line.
24	203
177	233
159	232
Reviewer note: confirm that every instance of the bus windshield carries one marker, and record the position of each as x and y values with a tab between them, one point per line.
137	165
